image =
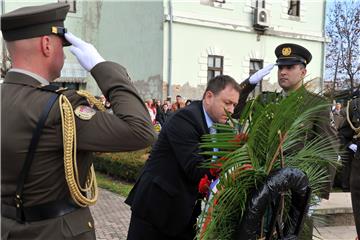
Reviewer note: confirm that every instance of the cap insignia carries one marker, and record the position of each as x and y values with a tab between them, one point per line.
54	30
84	112
286	51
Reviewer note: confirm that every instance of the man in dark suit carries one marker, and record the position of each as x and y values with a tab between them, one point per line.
39	200
164	201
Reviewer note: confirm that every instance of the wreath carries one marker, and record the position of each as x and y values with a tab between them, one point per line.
272	134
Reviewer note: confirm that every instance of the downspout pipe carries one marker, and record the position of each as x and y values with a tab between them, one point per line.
324	51
170	10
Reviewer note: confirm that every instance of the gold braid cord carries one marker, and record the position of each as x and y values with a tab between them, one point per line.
357	130
91	99
70	162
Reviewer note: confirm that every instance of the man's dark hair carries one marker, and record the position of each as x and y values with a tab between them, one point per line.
219	83
178	96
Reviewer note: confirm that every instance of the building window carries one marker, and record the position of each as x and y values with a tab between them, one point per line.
214	3
260	4
294	8
255	65
215	66
72	4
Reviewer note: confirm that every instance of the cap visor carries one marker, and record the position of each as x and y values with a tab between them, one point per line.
287	62
66	43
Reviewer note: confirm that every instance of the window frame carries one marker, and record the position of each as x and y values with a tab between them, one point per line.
214	69
258	89
294	5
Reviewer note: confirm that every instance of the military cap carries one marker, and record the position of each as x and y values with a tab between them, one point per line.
35	21
290	54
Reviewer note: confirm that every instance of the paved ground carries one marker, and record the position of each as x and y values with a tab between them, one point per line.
112	218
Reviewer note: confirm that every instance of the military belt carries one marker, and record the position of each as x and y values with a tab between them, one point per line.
40	212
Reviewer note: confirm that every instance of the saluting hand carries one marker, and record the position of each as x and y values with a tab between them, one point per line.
86	53
258	76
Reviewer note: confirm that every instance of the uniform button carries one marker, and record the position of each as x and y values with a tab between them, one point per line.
90	225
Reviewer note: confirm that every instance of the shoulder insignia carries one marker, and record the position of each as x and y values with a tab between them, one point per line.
84	112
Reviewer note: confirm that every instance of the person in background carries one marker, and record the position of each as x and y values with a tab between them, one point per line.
164	115
39	199
151	110
179	102
338	118
159	110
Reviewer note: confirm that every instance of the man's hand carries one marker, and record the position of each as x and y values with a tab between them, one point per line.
86	54
258	76
353	147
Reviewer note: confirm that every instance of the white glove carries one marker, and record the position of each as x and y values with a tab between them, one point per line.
258	76
86	54
353	147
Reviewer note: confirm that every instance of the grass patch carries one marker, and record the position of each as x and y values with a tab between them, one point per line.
113	185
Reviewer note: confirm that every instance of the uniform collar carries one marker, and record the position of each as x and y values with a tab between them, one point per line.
35	76
21	78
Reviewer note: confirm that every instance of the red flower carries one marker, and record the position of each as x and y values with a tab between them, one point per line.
241	137
246	166
223	159
208	217
215	169
204	185
237	172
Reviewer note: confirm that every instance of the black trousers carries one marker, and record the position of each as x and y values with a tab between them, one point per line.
346	171
140	229
355	192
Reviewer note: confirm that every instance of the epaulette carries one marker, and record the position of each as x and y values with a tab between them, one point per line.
53	88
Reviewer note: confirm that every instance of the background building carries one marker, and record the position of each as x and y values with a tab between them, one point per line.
173	47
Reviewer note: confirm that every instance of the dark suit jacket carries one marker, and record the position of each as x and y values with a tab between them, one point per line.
129	128
166	193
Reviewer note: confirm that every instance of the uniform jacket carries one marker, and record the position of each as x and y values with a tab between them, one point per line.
129	128
346	134
166	193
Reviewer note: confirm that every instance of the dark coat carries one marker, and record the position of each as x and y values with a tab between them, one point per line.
129	128
346	134
162	116
166	193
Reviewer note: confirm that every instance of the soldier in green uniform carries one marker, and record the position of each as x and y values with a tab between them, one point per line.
292	60
349	132
48	134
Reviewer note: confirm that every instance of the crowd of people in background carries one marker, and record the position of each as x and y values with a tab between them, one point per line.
161	111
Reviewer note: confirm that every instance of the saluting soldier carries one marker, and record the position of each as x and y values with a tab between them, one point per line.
48	133
349	132
292	60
